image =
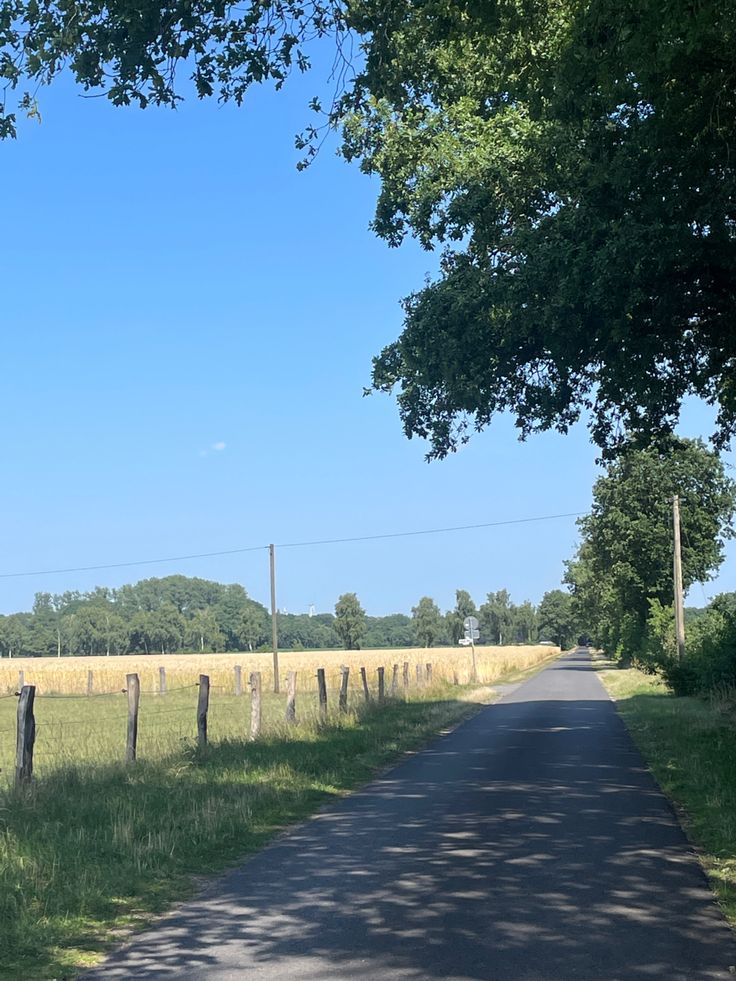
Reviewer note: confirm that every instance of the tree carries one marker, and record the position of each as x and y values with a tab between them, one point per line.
556	618
624	561
524	623
166	629
350	621
253	627
573	161
496	617
203	632
14	635
455	619
590	181
427	621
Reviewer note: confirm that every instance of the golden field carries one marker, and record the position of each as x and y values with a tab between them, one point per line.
68	675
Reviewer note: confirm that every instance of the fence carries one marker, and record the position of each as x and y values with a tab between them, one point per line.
139	712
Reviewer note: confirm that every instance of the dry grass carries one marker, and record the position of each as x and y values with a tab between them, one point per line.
68	675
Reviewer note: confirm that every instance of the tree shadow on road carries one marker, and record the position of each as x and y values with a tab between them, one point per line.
531	843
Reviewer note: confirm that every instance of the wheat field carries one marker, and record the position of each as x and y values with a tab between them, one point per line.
68	675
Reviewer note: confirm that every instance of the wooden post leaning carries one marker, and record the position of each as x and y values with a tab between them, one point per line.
255	704
203	704
381	684
26	735
344	678
133	688
291	697
366	689
322	689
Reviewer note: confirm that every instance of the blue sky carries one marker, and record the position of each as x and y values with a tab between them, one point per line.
187	328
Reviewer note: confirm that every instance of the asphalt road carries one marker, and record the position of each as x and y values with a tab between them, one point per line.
530	844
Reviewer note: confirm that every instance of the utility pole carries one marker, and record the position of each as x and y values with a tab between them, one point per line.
274	623
679	602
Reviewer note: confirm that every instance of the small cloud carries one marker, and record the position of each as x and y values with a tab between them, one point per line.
218	446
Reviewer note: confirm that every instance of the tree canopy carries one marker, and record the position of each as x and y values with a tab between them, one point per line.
624	562
427	621
572	160
350	621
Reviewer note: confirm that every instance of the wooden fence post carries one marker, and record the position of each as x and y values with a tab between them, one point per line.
420	675
455	679
255	704
21	680
322	689
90	682
395	681
291	697
26	735
203	704
344	676
406	677
381	684
162	681
366	690
133	688
238	679
428	667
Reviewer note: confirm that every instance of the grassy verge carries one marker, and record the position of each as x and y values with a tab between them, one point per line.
90	851
690	746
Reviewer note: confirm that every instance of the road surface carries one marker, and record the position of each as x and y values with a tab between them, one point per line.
530	844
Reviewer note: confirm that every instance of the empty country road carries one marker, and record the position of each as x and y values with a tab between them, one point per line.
529	844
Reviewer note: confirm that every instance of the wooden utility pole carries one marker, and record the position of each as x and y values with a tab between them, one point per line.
679	601
274	623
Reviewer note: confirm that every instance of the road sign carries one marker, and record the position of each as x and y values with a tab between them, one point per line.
472	634
470	623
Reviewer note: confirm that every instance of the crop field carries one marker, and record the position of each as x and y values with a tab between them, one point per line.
75	728
93	845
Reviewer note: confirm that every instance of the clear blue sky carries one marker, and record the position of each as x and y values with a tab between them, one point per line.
171	284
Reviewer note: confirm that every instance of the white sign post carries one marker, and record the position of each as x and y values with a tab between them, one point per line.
472	634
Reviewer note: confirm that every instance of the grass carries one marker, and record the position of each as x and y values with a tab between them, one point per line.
94	847
690	746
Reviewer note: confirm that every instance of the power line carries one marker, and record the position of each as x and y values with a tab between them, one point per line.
431	531
124	565
320	541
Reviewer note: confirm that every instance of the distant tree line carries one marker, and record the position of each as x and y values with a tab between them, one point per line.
179	613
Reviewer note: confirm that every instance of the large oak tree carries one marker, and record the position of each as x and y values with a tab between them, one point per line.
573	159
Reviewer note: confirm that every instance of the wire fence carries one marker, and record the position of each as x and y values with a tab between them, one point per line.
55	731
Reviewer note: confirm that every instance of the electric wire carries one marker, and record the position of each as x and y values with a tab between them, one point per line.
304	544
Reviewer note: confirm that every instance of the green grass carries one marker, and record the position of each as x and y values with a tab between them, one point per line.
690	746
93	848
